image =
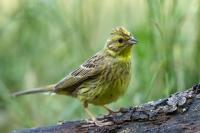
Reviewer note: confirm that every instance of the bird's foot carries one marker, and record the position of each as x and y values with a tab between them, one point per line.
97	123
61	122
110	111
113	112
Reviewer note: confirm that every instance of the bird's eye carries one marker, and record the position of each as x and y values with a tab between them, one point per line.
120	40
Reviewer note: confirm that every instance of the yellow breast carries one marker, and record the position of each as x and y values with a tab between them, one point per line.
109	87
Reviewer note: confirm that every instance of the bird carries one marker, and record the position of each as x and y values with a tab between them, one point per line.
101	79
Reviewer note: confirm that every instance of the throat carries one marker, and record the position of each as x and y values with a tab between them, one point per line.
124	55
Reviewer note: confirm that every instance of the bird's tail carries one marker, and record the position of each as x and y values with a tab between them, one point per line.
49	88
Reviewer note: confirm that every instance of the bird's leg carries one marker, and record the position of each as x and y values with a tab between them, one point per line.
85	105
94	120
110	112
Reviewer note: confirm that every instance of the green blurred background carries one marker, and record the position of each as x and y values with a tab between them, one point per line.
43	40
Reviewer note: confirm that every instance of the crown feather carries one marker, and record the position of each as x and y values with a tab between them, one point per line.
120	31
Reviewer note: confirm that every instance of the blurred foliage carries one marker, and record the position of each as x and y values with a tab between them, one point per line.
43	40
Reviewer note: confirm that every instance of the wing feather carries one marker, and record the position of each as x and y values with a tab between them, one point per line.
90	68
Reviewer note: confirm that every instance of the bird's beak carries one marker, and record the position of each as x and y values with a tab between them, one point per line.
132	41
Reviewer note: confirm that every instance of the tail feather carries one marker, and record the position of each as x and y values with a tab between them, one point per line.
49	88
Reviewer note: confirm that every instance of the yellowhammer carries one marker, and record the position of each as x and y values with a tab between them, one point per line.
100	80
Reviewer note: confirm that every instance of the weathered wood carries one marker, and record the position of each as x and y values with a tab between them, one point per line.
180	113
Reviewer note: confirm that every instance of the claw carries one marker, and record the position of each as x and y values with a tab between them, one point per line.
111	112
101	123
61	122
97	123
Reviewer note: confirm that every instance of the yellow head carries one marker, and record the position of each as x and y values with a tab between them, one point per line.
120	42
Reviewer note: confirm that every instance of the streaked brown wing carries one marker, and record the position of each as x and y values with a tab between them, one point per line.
90	68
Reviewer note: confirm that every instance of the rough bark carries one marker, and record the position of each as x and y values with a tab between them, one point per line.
180	113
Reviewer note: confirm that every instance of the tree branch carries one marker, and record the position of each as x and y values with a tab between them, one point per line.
179	113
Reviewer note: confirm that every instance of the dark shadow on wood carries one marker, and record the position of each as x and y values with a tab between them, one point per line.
180	113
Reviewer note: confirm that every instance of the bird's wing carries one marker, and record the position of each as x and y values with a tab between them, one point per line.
88	69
